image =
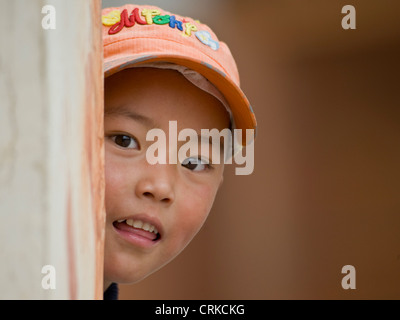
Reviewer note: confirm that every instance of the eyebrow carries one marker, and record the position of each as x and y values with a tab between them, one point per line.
123	111
208	140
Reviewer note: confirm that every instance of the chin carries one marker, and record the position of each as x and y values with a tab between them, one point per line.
124	271
124	277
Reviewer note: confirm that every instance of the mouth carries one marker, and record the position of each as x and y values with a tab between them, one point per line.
138	231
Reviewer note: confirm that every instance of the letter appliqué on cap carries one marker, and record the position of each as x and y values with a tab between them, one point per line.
205	38
112	18
118	21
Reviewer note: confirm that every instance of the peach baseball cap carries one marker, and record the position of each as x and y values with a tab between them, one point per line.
141	34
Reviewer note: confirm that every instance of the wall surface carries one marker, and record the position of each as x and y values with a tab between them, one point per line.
51	150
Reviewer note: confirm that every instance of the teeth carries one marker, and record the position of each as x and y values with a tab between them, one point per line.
146	227
140	225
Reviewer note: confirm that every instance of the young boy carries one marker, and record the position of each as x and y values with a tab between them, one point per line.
161	69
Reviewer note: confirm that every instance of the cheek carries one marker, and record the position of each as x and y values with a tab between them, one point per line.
116	182
113	182
191	213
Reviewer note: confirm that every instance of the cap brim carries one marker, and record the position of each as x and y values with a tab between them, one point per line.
241	109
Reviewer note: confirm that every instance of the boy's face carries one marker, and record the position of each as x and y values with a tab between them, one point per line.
173	199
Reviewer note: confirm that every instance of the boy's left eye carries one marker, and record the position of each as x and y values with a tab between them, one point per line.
125	141
195	164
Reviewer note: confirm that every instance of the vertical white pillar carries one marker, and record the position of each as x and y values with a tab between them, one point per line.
51	150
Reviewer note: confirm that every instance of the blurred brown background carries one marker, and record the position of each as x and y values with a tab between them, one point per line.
326	187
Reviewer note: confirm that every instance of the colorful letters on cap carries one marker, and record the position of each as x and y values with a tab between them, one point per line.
118	20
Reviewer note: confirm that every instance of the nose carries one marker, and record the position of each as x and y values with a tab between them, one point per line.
156	183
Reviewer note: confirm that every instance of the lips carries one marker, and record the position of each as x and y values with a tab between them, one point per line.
139	231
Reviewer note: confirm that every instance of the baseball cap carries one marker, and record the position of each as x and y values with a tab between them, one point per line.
143	35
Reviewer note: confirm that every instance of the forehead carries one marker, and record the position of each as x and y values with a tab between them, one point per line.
164	95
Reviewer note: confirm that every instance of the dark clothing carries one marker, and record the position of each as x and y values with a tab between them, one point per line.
111	293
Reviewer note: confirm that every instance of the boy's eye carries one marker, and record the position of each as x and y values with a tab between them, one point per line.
125	141
195	164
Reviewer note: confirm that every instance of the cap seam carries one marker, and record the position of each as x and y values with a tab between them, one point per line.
154	38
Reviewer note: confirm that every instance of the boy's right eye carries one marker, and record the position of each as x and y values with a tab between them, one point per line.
125	141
